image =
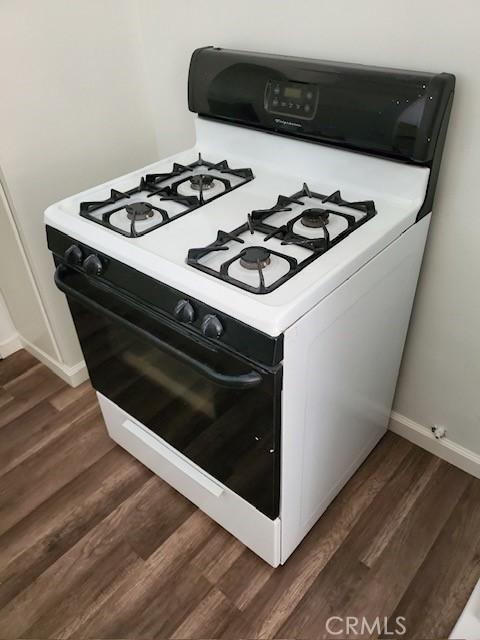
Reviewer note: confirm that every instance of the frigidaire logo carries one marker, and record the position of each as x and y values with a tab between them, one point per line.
352	626
288	122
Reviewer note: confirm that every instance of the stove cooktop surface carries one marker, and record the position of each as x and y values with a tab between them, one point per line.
301	228
321	248
161	198
270	247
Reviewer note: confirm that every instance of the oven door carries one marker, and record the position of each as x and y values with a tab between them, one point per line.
217	408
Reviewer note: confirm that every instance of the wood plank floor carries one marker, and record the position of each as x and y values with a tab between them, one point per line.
93	545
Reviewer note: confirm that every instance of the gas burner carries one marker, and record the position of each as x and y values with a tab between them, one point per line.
139	211
205	187
172	195
255	258
315	218
282	224
201	181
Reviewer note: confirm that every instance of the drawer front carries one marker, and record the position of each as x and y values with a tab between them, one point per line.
236	515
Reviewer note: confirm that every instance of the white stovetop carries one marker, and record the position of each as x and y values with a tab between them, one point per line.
280	166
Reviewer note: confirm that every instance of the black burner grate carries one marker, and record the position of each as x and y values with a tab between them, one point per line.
257	221
153	185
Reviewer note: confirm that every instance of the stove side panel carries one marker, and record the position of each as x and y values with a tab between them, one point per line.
341	362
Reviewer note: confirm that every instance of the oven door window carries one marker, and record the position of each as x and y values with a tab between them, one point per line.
232	432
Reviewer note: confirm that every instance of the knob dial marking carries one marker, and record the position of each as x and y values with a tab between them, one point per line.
184	311
73	255
93	265
211	326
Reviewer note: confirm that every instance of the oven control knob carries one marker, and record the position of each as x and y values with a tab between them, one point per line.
73	255
211	326
93	265
184	311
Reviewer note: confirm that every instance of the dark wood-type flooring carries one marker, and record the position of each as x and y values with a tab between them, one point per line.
93	545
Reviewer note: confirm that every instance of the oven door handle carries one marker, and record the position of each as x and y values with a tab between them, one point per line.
241	381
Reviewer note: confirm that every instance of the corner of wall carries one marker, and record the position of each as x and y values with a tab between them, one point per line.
455	454
72	375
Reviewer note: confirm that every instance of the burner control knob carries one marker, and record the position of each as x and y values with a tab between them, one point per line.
93	265
73	255
184	311
211	326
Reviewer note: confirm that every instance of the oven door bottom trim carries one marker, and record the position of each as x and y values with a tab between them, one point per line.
258	532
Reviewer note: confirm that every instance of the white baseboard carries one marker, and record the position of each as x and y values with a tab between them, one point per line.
9	346
444	448
73	375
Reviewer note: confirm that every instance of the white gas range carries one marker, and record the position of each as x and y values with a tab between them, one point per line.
243	305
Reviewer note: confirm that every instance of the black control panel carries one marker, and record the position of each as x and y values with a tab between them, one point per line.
188	313
386	112
292	99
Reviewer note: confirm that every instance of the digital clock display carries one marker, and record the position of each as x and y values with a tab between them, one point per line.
292	92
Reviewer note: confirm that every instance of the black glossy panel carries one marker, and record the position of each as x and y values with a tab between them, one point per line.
387	112
231	433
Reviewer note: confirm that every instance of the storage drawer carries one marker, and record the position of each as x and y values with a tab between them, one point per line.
236	515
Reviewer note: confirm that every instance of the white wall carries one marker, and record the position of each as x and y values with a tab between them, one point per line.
9	342
18	287
7	330
73	112
441	371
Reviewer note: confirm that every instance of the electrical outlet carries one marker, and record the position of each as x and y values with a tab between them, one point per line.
438	431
